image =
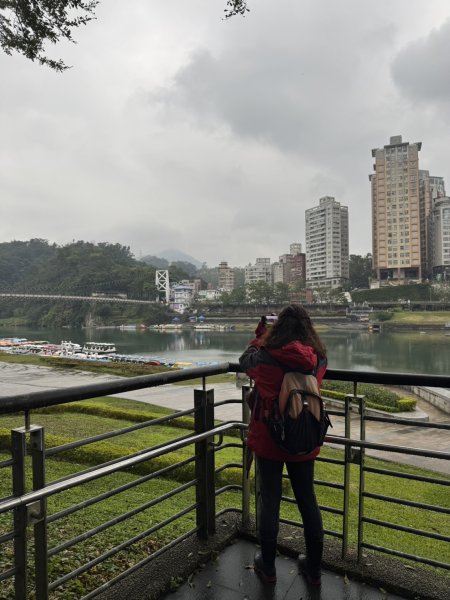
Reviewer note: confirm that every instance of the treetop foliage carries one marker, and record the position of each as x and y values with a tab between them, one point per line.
236	7
26	26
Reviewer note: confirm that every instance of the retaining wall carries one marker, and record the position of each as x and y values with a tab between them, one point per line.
439	397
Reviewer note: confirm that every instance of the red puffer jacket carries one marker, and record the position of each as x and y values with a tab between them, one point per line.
268	375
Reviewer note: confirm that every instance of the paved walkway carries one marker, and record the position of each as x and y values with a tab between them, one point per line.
21	379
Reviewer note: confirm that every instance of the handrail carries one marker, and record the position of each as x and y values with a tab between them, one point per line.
62	485
71	482
9	404
21	402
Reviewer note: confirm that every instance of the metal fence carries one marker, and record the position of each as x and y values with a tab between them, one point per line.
25	518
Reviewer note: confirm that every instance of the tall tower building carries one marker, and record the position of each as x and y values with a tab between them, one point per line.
327	257
396	212
439	239
430	188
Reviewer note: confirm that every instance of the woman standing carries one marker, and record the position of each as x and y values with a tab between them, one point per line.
293	343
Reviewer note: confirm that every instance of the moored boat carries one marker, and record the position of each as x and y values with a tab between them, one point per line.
99	348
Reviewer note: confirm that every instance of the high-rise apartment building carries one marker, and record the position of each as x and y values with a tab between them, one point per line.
396	231
226	277
430	188
327	256
439	239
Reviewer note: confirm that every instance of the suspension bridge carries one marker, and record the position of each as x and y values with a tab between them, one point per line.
97	298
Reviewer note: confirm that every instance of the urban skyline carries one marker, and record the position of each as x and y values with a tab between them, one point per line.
170	140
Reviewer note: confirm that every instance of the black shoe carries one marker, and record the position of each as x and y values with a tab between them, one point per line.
312	578
267	574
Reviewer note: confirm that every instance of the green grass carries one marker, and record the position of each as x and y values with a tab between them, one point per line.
120	369
69	425
407	317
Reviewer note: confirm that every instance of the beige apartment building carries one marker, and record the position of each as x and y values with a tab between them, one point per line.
396	230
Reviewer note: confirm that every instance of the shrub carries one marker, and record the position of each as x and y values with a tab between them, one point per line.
406	404
382	316
376	396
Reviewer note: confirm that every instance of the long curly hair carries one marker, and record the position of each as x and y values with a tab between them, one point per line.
294	323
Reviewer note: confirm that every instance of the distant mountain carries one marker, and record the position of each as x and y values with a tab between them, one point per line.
173	255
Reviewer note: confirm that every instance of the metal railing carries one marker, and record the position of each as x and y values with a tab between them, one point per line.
29	515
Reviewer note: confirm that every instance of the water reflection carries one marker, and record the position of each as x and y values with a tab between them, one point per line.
400	352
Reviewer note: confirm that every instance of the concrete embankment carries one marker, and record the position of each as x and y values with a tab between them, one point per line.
438	397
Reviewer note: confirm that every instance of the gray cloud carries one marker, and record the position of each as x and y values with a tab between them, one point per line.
421	69
178	129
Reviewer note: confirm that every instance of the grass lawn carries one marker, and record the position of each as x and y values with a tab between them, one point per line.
408	317
69	425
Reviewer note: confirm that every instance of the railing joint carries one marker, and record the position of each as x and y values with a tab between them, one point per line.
36	512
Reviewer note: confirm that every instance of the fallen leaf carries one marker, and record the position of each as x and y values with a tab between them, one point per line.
209	584
383	591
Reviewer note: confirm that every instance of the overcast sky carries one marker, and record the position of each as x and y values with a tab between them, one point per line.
178	129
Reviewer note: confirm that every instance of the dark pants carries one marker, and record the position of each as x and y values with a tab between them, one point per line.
301	475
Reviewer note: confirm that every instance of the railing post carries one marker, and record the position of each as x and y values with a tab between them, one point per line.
246	464
38	513
362	454
347	463
18	451
205	464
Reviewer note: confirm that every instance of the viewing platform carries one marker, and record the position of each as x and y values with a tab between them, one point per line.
176	518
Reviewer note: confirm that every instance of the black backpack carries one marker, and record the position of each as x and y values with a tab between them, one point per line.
298	421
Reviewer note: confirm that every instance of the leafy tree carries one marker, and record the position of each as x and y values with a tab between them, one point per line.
209	275
185	266
236	7
360	269
236	296
260	292
155	261
26	26
280	293
239	276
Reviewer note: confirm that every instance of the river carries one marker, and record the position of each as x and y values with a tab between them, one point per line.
347	349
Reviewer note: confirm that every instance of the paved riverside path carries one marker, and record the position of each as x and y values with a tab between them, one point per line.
25	379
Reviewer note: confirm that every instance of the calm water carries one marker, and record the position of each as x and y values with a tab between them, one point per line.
401	352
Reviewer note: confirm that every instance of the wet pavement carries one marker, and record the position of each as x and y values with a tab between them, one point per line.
20	379
231	577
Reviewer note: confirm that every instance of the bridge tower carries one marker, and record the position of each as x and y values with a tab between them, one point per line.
162	283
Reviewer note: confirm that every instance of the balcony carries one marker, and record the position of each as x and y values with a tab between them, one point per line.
202	542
